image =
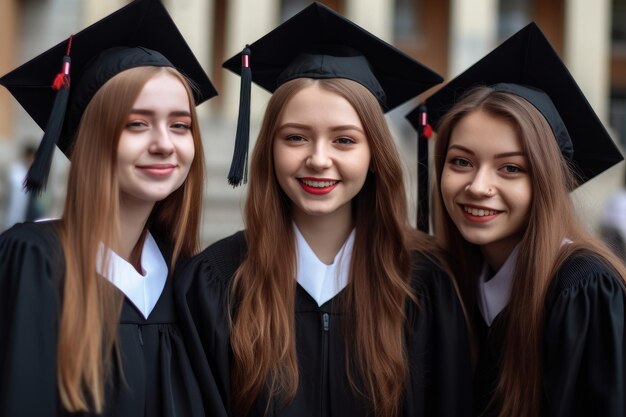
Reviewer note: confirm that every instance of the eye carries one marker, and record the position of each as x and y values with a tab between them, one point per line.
181	125
512	169
294	138
344	140
136	124
460	162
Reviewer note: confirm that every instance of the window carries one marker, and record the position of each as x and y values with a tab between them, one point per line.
406	27
512	16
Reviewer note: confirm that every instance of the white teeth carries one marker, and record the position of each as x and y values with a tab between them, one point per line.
319	184
479	212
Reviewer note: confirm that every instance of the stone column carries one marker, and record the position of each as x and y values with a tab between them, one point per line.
246	22
94	10
587	56
194	19
587	49
8	37
473	32
374	15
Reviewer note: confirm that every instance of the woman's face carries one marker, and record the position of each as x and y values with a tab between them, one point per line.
156	147
321	154
485	183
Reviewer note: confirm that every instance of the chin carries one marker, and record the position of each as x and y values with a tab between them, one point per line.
478	238
153	197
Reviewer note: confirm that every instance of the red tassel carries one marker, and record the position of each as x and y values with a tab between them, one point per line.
62	79
424	130
428	131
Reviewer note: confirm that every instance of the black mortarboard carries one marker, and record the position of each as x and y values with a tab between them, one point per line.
319	43
526	65
127	38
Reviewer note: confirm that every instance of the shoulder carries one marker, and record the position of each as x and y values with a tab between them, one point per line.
580	267
226	255
228	249
438	305
583	274
426	271
220	260
31	255
431	283
41	237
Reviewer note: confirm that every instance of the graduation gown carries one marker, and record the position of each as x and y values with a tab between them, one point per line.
439	374
155	378
584	344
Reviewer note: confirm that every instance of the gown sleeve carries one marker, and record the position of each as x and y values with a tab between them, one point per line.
202	300
440	339
584	345
30	269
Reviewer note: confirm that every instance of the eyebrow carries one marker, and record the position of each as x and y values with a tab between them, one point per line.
496	156
332	129
145	112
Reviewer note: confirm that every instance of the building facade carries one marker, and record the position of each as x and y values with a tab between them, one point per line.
447	36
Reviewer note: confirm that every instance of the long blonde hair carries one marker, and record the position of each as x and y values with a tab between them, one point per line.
551	220
263	336
91	306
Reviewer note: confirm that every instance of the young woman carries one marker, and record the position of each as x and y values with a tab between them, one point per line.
328	304
548	298
87	322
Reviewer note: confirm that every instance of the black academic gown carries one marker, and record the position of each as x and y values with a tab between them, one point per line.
158	379
439	368
584	344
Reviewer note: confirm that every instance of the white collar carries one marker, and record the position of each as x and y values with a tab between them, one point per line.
494	293
143	290
322	281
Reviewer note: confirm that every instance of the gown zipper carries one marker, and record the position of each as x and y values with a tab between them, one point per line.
324	384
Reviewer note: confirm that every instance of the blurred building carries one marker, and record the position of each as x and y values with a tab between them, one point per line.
446	35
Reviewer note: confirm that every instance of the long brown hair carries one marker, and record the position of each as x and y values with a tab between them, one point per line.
91	306
551	220
263	327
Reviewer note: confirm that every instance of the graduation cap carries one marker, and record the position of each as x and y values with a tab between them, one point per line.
140	34
526	65
319	43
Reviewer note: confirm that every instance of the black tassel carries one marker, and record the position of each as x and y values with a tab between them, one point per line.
37	175
239	165
424	132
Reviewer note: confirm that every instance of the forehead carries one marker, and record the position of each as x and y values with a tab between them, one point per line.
482	132
164	88
315	105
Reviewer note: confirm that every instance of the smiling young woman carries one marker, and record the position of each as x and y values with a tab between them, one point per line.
548	298
329	303
87	323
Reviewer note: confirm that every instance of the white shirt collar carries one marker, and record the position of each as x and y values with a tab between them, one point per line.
143	290
322	281
494	293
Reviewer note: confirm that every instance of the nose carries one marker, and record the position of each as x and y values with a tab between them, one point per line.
319	158
482	185
162	143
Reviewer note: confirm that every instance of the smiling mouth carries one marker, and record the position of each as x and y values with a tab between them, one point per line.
318	183
480	212
158	170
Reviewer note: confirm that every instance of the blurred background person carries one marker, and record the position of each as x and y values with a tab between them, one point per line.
613	222
19	205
